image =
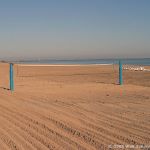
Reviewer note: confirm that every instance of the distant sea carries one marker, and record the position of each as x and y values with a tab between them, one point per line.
145	61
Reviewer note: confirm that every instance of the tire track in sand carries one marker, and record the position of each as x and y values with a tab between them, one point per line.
8	141
29	125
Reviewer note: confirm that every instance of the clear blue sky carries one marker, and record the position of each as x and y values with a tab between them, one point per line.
69	29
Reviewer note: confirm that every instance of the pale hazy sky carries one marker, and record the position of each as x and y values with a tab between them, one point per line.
74	29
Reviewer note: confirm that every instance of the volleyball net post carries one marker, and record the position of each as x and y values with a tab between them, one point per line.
11	76
120	73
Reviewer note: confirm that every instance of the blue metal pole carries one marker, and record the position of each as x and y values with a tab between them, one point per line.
120	73
11	77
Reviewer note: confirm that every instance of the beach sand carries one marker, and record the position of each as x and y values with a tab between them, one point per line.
73	107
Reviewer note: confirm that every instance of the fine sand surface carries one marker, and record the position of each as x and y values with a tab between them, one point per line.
73	107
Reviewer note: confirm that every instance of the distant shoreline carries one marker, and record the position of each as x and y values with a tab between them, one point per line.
141	62
60	65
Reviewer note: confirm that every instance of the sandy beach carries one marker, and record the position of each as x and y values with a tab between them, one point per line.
73	107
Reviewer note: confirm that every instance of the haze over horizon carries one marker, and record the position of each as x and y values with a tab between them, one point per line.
74	29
